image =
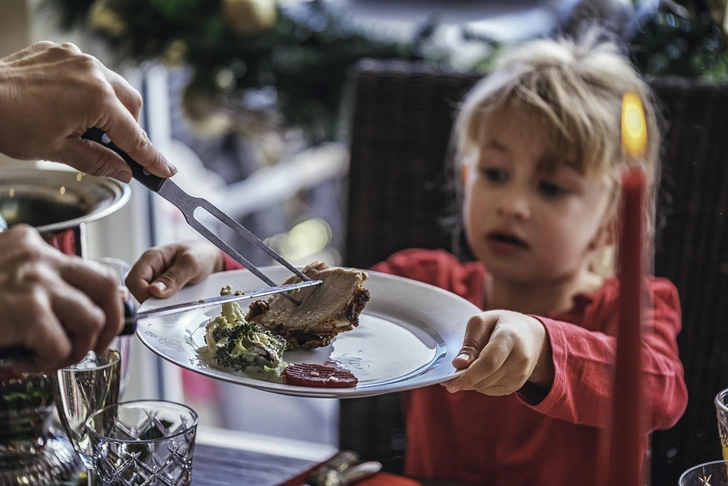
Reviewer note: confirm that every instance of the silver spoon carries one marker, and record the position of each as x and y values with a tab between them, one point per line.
332	477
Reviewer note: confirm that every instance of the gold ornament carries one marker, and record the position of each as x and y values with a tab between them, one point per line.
719	11
204	112
175	53
250	17
103	18
225	80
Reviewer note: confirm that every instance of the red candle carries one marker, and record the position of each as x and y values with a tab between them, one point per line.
625	458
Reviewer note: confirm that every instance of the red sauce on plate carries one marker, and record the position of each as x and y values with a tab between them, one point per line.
319	376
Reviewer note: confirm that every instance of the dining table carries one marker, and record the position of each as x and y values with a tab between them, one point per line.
218	466
227	457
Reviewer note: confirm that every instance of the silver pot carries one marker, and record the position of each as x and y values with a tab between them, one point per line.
59	204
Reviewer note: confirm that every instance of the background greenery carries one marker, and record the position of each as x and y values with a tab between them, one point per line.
288	66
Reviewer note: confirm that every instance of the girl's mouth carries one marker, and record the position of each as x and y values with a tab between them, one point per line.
503	238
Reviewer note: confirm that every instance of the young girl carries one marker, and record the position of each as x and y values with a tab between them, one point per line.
539	147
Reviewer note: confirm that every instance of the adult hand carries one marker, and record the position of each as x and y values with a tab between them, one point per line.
51	94
503	350
163	270
58	306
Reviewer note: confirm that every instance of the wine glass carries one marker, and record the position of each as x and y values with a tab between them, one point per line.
96	382
82	389
120	343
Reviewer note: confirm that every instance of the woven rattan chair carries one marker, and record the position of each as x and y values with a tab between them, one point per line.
400	127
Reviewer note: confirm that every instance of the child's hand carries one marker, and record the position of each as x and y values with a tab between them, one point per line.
163	270
502	351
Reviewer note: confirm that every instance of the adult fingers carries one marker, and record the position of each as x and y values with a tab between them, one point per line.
93	159
40	46
129	97
82	319
44	52
101	285
125	132
45	338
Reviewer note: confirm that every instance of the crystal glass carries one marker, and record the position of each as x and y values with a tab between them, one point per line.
721	408
97	381
82	389
708	474
143	442
120	343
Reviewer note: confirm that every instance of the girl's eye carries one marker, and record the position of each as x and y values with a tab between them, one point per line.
494	175
549	189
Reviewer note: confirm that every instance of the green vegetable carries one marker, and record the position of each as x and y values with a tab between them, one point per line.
233	343
232	315
248	345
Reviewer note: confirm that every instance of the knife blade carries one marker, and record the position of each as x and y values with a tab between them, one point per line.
131	316
222	299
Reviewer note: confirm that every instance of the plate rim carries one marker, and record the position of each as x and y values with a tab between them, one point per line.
301	391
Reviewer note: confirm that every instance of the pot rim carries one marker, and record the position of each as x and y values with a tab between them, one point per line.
120	192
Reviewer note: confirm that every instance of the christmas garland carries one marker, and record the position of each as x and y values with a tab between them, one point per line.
258	63
685	39
254	57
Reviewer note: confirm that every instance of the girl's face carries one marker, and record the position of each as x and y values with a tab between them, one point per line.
525	225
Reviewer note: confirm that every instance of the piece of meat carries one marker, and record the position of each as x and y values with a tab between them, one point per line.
318	376
326	310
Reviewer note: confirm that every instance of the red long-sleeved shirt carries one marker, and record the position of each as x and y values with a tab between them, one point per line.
503	441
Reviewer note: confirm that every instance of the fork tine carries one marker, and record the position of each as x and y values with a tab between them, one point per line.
245	233
234	254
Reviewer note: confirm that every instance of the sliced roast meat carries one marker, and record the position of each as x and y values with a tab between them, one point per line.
326	310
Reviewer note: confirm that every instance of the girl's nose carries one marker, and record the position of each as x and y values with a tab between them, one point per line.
514	204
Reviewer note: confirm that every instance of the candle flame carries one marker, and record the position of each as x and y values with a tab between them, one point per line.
63	190
12	192
634	127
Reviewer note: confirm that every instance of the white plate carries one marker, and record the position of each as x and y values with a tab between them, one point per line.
408	335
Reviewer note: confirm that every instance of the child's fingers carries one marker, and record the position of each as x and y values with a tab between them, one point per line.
184	269
509	378
477	334
491	360
144	271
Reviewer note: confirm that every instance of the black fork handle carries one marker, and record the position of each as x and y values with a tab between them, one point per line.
149	180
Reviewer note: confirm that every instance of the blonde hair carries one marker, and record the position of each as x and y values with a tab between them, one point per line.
575	87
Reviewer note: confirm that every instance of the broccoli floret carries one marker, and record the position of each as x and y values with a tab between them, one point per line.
218	329
248	345
234	343
221	333
232	313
